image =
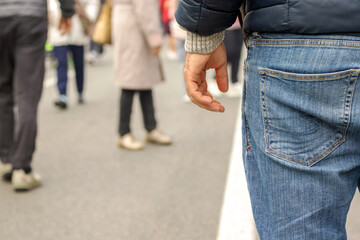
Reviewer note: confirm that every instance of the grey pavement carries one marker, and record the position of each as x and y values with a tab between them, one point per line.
95	191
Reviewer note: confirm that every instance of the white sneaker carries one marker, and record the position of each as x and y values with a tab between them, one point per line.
24	182
5	170
129	142
157	137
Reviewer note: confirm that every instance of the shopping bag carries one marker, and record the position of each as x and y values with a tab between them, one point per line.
102	29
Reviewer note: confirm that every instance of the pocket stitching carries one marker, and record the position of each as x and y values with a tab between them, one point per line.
346	117
312	162
306	77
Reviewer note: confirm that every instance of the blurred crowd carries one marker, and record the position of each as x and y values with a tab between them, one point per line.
139	31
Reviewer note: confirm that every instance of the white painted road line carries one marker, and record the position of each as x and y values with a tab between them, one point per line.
236	222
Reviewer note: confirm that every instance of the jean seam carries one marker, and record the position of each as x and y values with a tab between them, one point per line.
248	146
354	74
310	76
348	99
264	112
303	44
278	42
315	160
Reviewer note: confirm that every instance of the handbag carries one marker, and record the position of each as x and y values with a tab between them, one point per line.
102	29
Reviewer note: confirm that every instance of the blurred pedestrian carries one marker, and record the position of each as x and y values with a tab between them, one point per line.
71	43
179	35
233	42
137	39
96	50
165	13
23	32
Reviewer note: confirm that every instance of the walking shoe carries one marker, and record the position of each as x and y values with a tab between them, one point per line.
129	142
158	137
81	100
60	104
22	181
5	171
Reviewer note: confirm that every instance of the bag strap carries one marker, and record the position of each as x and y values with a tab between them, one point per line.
241	16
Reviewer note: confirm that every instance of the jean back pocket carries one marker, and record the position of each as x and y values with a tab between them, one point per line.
305	116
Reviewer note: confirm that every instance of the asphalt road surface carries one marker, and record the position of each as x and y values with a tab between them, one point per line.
95	191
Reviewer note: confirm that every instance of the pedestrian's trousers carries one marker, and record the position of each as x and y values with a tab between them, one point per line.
22	41
233	43
147	107
301	133
61	54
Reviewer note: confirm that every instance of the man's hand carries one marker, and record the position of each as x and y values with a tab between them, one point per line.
195	77
65	25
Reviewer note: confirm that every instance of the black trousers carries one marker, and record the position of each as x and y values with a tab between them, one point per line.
22	54
147	107
233	42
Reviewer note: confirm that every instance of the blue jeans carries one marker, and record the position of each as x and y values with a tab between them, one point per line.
61	54
301	133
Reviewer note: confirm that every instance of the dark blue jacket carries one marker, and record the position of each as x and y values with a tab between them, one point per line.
205	17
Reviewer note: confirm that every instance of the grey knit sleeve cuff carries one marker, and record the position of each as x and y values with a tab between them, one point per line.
202	44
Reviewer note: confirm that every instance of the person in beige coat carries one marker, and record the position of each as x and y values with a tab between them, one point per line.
137	39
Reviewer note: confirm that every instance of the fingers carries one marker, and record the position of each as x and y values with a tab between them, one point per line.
197	90
206	101
195	78
218	61
214	105
222	78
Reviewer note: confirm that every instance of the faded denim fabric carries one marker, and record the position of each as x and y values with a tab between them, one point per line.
301	133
